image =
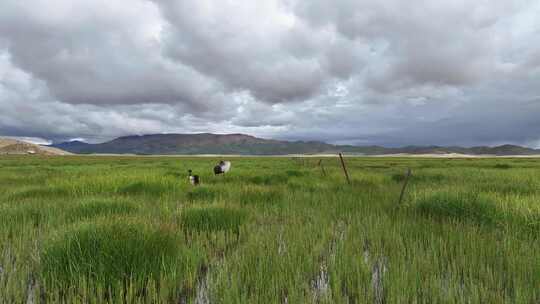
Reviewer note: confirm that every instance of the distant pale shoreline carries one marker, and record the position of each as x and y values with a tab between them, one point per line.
446	155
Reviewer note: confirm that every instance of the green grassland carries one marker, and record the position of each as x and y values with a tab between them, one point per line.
274	230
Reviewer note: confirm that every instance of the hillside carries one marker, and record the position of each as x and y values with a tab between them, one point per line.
204	143
17	147
241	144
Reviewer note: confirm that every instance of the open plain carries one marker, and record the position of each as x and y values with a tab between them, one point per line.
86	229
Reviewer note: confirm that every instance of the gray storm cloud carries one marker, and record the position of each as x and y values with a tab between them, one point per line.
385	72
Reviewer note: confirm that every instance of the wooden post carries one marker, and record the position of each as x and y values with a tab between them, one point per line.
344	168
322	167
404	185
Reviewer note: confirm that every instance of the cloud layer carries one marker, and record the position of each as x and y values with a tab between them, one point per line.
388	72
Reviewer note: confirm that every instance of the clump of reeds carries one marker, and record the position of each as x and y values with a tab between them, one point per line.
213	219
102	207
115	253
477	208
201	193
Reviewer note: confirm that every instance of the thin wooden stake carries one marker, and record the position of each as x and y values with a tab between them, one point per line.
404	186
344	168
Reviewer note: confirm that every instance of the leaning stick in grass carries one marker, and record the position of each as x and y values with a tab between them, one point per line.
322	167
404	186
344	168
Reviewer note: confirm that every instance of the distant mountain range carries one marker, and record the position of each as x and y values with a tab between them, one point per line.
241	144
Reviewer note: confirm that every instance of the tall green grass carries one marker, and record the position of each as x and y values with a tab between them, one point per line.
133	230
116	254
479	209
212	219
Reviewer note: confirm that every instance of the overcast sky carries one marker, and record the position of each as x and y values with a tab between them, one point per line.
386	72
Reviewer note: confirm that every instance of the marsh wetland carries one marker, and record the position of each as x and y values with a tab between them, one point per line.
88	229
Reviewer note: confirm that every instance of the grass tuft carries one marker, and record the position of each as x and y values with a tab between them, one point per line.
268	180
113	253
294	173
41	192
23	214
143	188
479	209
201	193
100	207
398	177
261	197
212	219
463	206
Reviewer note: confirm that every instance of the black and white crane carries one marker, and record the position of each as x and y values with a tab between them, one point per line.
222	168
193	179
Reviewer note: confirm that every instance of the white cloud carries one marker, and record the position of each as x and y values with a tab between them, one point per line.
389	72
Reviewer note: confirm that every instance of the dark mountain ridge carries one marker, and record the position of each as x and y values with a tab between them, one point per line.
208	143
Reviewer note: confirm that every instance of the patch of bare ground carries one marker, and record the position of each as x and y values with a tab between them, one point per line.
16	147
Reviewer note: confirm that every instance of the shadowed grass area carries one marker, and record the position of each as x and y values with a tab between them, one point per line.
261	197
23	214
513	187
502	166
477	208
201	194
465	206
212	219
102	207
143	188
114	253
268	180
420	177
40	191
294	173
